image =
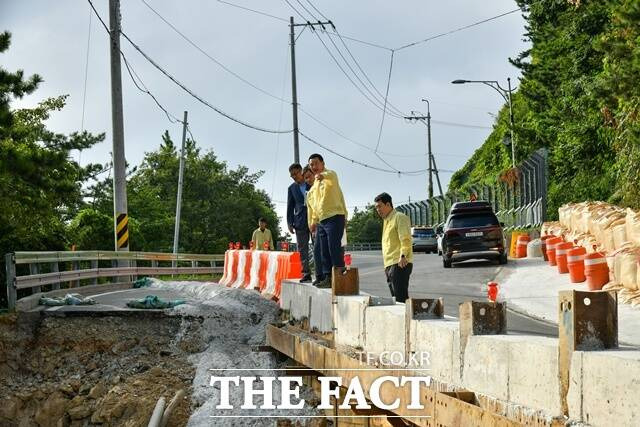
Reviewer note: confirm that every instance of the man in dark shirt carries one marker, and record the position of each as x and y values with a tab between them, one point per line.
297	217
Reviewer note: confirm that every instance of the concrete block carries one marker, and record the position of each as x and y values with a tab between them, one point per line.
533	368
349	320
486	365
384	328
610	386
305	301
440	339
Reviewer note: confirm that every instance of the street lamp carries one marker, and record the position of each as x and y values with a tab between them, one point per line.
506	94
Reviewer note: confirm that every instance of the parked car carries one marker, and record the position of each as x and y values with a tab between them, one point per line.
439	235
472	231
424	239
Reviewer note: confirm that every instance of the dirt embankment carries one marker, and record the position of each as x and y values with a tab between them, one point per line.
77	371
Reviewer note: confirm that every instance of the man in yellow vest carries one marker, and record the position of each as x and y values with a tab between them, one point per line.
397	249
310	178
328	217
262	235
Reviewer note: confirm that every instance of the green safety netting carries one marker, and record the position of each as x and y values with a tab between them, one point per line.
153	301
68	299
144	282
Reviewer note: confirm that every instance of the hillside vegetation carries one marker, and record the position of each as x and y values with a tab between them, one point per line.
579	97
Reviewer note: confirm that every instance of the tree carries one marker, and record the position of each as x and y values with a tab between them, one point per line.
364	226
41	184
579	98
218	205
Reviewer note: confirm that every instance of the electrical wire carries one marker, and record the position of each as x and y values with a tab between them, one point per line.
386	95
358	162
183	87
353	58
253	10
214	60
456	30
137	83
372	97
86	73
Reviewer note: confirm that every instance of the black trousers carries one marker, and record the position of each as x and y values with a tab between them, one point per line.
398	281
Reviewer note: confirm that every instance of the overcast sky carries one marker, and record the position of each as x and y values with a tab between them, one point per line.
51	38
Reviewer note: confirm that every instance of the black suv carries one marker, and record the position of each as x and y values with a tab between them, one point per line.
472	231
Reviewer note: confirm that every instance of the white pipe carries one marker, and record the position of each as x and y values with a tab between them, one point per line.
156	416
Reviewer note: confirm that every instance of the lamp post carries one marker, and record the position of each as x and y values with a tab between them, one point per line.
506	94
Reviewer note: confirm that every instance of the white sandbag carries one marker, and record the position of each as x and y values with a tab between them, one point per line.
626	268
619	232
534	249
633	226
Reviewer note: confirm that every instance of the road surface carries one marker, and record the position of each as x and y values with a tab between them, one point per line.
463	282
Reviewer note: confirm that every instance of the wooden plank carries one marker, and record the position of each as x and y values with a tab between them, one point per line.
445	409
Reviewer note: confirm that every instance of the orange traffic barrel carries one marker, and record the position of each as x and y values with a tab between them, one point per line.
521	246
551	249
543	245
575	264
561	256
596	270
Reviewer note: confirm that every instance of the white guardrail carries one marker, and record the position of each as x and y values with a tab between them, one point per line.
51	269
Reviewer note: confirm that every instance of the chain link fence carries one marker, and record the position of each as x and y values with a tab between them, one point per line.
518	196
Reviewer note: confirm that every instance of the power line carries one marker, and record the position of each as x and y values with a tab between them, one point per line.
133	73
253	10
386	95
86	73
335	60
214	60
397	110
186	89
456	30
358	162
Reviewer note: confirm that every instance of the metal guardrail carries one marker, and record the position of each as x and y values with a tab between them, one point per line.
520	204
122	264
364	246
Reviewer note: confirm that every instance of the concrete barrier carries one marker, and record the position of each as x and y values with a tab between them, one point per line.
520	372
306	302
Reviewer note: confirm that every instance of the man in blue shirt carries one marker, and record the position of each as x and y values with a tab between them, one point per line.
297	217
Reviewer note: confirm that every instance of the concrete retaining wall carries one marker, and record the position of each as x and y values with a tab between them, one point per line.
516	369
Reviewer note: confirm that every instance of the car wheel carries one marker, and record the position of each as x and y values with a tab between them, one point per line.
503	258
446	262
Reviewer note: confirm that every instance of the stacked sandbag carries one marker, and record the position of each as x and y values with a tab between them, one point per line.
601	228
619	232
625	271
534	249
564	214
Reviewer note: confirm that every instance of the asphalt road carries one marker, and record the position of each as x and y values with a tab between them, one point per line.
463	282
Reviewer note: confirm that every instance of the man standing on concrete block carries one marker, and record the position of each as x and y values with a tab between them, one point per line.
329	217
397	250
297	217
310	178
261	235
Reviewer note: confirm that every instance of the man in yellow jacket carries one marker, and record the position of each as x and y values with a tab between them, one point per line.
309	178
397	249
262	235
327	217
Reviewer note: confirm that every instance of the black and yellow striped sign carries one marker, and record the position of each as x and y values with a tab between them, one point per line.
122	230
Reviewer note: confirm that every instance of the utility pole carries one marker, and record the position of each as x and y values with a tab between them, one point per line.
294	89
176	231
121	219
429	153
294	93
429	147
